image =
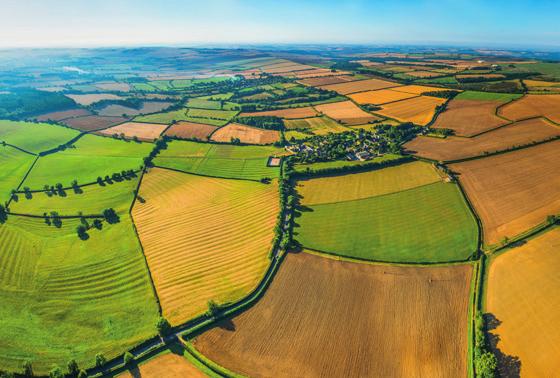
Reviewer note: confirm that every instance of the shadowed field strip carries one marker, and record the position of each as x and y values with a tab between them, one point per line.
204	238
322	317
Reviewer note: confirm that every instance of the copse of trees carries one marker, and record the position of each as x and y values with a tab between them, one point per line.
484	360
262	122
441	94
3	214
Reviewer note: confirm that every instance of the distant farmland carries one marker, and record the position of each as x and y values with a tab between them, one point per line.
315	300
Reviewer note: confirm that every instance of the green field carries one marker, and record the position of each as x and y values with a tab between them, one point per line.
219	160
92	201
204	104
437	80
35	137
65	298
209	116
15	165
164	117
429	223
486	96
343	163
92	156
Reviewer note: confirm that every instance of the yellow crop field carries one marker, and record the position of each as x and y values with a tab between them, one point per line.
367	184
419	89
379	97
419	110
523	287
204	238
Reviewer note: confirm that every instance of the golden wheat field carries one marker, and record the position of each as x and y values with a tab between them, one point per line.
418	110
523	287
533	106
379	97
204	238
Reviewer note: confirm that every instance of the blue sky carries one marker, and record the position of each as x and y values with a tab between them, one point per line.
148	22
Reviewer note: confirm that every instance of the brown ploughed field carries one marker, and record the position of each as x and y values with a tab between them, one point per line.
168	365
359	86
532	106
470	117
245	134
64	114
291	113
322	317
190	130
346	112
419	110
143	131
455	148
91	123
515	191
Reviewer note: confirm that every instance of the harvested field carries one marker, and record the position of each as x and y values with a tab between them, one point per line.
419	110
522	294
346	112
513	192
533	106
169	365
423	74
542	86
204	236
316	125
245	134
359	86
92	123
454	148
421	331
65	114
379	97
318	81
88	99
470	117
143	131
367	184
291	113
190	130
419	89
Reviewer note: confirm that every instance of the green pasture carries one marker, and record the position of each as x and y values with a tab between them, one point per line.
35	137
487	96
64	298
228	161
15	165
430	223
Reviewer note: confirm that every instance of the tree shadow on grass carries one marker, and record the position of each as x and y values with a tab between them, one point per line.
508	366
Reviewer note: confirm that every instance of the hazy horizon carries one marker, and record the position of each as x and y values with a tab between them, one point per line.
122	23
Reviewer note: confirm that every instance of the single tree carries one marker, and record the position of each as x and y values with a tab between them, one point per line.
3	214
213	309
73	368
128	358
100	360
163	326
111	216
97	223
82	232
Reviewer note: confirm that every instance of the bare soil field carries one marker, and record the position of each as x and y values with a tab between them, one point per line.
88	99
245	134
190	130
419	110
291	113
204	238
470	117
380	97
359	86
91	123
454	148
169	365
515	191
346	112
532	106
367	184
323	317
318	81
65	114
522	294
143	131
